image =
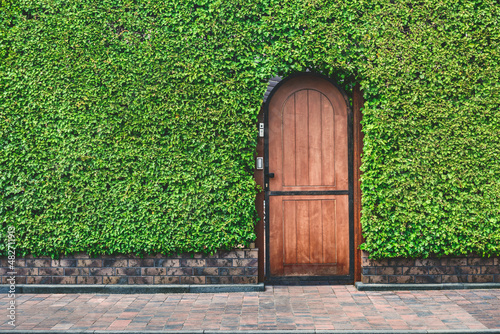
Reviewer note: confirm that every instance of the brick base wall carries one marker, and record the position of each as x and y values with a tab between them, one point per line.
233	267
466	269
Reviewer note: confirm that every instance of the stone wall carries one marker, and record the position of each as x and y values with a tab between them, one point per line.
466	269
233	267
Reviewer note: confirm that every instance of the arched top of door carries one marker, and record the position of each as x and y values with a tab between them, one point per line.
276	81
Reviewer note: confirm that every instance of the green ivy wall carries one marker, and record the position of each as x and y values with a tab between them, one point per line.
130	126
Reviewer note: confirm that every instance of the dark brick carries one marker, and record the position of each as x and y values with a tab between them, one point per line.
378	279
454	261
223	271
167	262
89	263
64	280
166	280
401	279
141	262
389	270
252	254
415	271
454	279
442	270
369	270
71	271
375	263
490	270
236	271
38	262
207	271
115	280
19	279
89	280
468	270
222	280
480	278
64	263
236	254
401	262
39	280
423	279
251	271
115	263
219	262
140	280
154	271
84	271
180	271
217	280
101	271
474	261
193	262
19	262
50	271
128	271
245	262
430	262
193	280
27	271
244	279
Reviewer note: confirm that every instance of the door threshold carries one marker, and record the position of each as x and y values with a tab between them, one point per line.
309	280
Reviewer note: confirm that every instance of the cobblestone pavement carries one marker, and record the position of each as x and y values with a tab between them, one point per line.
279	307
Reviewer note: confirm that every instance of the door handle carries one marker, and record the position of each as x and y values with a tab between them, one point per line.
270	175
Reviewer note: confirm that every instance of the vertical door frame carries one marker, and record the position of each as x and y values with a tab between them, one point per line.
350	143
358	103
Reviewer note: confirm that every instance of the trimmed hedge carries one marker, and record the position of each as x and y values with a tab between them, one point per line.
130	126
431	164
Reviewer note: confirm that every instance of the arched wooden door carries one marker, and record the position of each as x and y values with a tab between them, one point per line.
307	179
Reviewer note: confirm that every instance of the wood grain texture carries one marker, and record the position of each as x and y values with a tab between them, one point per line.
276	235
308	137
315	158
315	232
327	136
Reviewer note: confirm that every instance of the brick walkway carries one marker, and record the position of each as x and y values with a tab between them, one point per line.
279	307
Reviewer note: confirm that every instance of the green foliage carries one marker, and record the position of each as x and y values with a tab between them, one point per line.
431	182
129	126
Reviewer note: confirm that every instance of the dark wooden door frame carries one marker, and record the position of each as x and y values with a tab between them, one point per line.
354	255
358	102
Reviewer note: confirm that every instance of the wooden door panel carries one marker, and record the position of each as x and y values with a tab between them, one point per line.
308	138
312	232
327	136
316	247
301	145
315	157
288	134
302	225
290	237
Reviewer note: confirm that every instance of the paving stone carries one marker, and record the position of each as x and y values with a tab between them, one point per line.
278	308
